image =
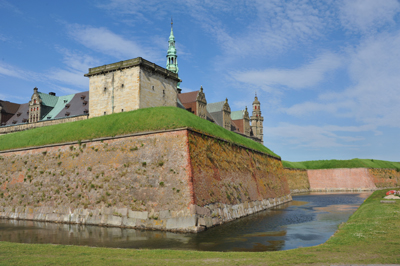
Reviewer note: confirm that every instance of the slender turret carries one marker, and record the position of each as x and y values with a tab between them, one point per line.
172	57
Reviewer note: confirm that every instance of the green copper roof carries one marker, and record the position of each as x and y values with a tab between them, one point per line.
236	115
172	58
215	107
47	99
60	104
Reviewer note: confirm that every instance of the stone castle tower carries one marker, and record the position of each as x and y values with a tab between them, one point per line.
257	120
172	57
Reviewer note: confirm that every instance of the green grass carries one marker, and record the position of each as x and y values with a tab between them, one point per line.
142	120
370	236
353	163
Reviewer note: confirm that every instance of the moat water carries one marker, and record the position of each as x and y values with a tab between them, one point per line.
309	220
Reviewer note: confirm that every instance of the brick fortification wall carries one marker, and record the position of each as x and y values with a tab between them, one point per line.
352	179
231	181
297	180
153	181
10	129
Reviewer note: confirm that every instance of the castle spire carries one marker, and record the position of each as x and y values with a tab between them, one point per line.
172	57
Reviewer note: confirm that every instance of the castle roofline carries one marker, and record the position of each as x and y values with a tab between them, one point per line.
138	61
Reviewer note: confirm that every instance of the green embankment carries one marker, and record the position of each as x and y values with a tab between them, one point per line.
353	163
370	236
142	120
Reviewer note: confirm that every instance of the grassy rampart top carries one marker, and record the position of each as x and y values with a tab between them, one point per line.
142	120
353	163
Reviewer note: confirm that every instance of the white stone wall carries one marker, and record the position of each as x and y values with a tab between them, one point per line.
124	84
156	90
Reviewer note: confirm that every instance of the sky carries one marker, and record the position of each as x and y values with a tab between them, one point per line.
327	73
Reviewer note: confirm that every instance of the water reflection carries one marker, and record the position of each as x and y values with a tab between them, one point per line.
308	220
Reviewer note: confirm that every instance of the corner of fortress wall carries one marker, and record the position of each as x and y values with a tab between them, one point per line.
156	181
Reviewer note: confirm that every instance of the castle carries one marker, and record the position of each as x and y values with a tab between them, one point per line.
125	86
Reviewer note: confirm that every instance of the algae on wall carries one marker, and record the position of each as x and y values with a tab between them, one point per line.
385	177
297	179
230	174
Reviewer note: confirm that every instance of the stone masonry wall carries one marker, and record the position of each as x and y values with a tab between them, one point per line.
126	91
139	181
10	129
384	178
297	180
156	90
177	180
230	181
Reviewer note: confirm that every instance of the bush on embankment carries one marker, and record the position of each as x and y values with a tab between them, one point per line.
142	120
353	163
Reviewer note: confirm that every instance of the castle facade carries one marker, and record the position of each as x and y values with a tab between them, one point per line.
126	86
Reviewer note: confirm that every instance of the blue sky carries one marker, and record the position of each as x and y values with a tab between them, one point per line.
327	73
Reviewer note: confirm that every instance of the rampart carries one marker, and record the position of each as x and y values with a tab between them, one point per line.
343	179
42	123
178	180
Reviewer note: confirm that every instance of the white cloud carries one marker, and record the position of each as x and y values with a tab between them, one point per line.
76	65
367	15
12	71
305	76
107	42
374	98
317	136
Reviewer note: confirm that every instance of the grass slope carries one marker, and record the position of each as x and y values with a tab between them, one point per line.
148	119
353	163
370	236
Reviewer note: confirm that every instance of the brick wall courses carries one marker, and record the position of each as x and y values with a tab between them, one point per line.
147	181
352	179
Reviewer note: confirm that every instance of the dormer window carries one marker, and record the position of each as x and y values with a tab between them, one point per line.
86	111
14	122
85	102
67	106
83	97
24	120
49	117
67	113
65	101
18	114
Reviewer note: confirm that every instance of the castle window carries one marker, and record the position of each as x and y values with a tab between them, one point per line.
49	117
24	120
105	113
122	110
83	97
86	111
163	92
34	101
67	106
85	102
105	89
122	85
152	87
14	122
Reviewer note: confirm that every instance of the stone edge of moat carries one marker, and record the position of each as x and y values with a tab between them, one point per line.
200	218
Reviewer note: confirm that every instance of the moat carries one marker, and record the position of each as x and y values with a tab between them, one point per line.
309	220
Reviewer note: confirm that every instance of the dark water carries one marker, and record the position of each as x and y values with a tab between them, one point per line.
308	220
